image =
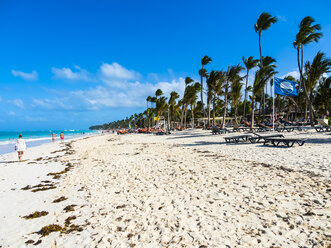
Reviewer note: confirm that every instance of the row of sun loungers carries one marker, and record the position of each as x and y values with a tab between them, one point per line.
274	139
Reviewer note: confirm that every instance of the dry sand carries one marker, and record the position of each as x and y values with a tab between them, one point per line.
188	189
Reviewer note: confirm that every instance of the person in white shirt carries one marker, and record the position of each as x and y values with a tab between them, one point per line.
20	147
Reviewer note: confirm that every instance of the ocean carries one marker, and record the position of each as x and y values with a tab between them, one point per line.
36	138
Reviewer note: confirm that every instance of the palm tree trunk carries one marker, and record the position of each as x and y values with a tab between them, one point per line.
260	48
182	117
208	107
192	115
214	110
225	103
169	118
201	95
185	110
252	122
244	115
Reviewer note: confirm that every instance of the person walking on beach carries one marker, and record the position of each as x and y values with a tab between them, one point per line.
20	147
62	137
53	137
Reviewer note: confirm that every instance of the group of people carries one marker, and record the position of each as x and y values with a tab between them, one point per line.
20	145
61	137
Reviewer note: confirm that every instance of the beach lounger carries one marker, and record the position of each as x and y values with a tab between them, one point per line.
284	141
236	139
259	138
282	128
323	126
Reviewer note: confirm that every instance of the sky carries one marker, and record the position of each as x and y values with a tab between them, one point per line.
72	64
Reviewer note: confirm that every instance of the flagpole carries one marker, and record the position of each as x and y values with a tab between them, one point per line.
273	105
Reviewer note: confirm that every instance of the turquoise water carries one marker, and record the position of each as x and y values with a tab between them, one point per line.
36	138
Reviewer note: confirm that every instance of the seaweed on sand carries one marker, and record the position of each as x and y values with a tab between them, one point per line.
70	208
39	187
62	198
36	214
57	175
46	230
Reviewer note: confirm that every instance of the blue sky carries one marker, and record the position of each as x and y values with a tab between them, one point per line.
72	64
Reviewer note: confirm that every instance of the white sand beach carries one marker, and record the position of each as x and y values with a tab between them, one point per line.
187	189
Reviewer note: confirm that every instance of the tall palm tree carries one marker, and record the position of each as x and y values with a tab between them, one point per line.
171	103
264	22
204	61
307	33
314	73
249	63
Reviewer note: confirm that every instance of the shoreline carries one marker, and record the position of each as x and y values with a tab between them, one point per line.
188	188
9	147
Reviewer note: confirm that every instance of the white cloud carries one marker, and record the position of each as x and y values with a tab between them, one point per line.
68	74
18	102
117	87
33	76
294	74
129	95
115	70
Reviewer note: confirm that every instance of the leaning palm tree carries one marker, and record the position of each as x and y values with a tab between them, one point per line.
249	63
307	33
314	73
204	61
264	22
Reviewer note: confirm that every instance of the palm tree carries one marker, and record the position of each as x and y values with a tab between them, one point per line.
188	81
204	61
249	63
264	22
323	95
314	73
172	101
307	34
232	74
190	98
214	84
236	95
262	76
148	99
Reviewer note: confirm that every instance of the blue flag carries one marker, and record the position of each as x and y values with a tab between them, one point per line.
285	87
